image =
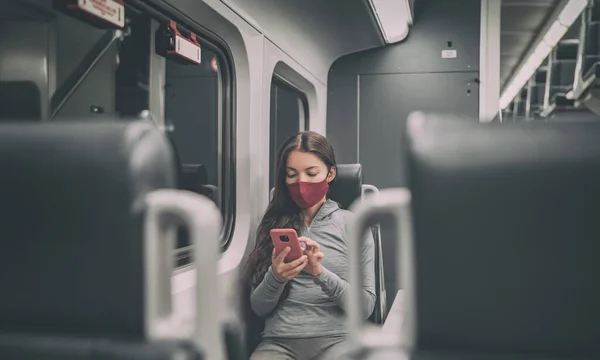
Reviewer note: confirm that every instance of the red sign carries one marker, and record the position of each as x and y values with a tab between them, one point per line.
112	11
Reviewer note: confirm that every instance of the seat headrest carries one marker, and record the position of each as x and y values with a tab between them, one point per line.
506	233
347	186
193	176
71	254
20	100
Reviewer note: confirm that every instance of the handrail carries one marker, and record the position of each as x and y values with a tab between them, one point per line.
372	189
395	202
575	93
529	97
76	78
166	210
548	86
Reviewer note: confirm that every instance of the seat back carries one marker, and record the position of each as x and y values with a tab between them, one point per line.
194	178
506	236
20	100
380	311
84	244
72	203
347	186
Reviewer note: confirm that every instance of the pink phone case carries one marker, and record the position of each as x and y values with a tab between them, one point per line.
287	237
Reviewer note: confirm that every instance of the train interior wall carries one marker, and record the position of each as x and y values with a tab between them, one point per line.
371	94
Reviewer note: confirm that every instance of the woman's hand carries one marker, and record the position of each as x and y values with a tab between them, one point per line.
285	272
315	256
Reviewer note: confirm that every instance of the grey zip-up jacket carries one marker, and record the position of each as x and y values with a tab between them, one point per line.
316	306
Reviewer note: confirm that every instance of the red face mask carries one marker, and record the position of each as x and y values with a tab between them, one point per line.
308	194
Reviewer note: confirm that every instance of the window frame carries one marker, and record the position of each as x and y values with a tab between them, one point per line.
164	12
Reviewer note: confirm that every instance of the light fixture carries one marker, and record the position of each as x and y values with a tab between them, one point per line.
393	18
569	13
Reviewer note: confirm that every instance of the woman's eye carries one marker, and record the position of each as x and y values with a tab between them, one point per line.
312	175
291	175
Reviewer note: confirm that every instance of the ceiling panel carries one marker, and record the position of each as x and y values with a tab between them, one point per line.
314	31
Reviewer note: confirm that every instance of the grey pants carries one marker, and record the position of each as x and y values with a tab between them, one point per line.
322	348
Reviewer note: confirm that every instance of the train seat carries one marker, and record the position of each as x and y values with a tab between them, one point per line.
347	189
195	179
72	268
20	100
506	237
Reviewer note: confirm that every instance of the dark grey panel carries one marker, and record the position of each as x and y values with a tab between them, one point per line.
440	22
26	10
342	128
385	103
74	39
98	90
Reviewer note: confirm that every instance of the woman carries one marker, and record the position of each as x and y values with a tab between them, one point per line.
303	302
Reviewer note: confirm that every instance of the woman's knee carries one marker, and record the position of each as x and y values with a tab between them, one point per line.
267	350
267	355
334	351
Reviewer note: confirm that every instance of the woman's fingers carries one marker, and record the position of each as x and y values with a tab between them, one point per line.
309	242
278	259
292	272
294	264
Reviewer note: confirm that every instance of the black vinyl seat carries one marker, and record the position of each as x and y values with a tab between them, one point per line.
195	179
348	188
72	252
20	100
506	237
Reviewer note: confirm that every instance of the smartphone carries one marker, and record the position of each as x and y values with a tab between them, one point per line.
287	237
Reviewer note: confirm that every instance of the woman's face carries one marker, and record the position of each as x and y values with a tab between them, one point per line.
306	167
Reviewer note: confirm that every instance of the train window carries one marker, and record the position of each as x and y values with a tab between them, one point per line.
289	115
194	97
198	95
84	68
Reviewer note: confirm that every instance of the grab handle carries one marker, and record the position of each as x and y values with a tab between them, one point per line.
394	202
166	210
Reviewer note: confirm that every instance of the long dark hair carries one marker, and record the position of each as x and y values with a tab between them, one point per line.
282	212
